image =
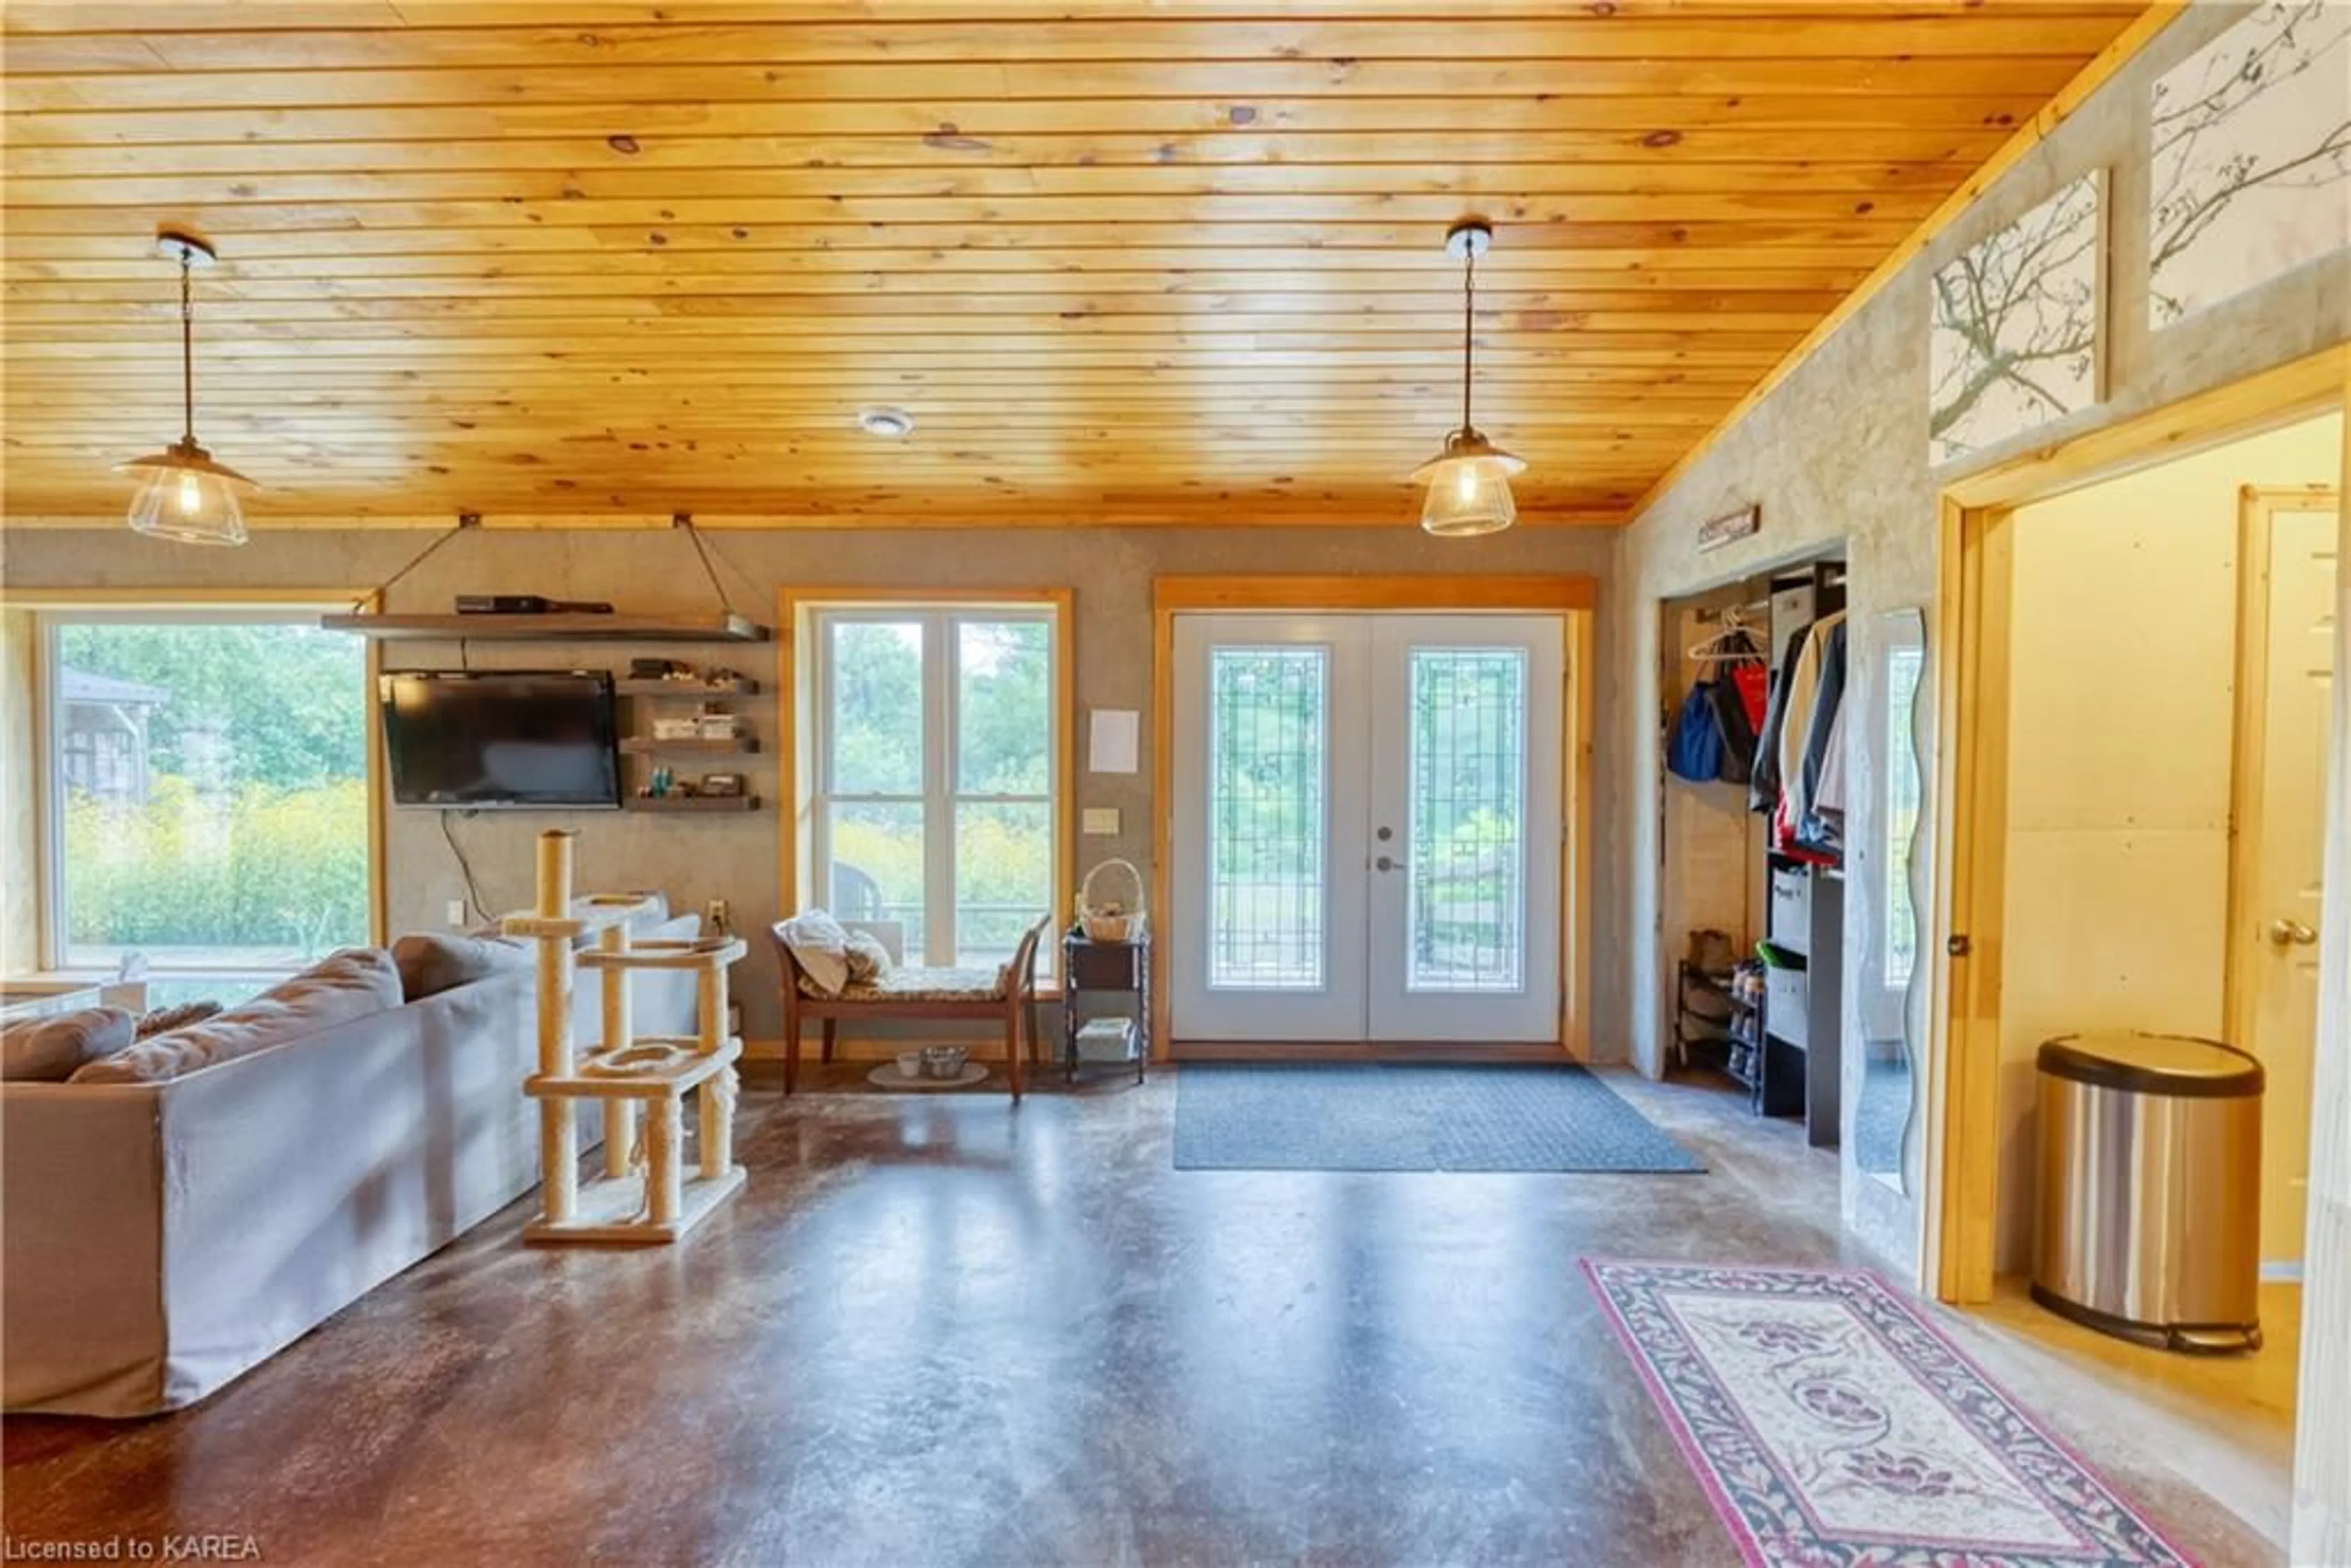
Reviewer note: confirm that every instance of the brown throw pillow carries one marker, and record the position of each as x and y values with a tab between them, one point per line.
162	1021
430	962
51	1049
349	985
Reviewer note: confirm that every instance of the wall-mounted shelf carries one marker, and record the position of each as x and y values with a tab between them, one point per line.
560	628
685	691
645	746
736	803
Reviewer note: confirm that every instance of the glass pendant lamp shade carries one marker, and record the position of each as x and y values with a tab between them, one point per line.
1470	481
186	497
1469	488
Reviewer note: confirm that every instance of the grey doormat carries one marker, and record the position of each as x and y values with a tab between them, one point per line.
1366	1117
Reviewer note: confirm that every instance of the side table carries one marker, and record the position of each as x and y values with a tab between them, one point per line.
1103	970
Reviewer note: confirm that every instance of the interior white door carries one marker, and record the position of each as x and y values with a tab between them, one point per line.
2288	854
1366	828
1271	729
1463	915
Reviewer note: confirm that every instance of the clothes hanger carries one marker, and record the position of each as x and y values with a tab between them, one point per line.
1734	644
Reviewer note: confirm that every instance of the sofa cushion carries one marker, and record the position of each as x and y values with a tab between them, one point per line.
50	1049
430	962
348	985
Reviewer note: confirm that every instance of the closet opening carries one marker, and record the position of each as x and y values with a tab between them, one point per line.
1756	736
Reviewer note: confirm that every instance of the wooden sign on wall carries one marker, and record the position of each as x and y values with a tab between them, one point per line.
1717	532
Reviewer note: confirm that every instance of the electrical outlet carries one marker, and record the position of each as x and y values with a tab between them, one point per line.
456	911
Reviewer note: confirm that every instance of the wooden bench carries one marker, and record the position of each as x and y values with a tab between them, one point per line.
1006	995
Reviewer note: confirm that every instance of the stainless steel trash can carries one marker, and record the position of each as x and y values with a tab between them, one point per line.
2150	1200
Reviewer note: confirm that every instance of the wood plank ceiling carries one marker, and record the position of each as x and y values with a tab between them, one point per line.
1125	263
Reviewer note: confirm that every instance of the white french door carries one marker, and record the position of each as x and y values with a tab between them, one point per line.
1367	828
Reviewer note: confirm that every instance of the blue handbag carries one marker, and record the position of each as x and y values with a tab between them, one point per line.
1694	750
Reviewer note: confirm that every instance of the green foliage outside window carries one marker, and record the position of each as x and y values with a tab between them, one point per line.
241	835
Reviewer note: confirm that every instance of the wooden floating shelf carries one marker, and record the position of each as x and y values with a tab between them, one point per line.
645	746
683	691
737	803
560	628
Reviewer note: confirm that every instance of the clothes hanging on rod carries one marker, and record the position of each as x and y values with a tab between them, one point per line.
1804	705
1694	744
1828	794
1763	789
1828	706
1737	732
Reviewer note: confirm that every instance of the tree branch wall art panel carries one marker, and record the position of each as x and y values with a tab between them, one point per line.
2013	338
2252	140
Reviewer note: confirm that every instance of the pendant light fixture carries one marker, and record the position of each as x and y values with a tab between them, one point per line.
1468	482
182	494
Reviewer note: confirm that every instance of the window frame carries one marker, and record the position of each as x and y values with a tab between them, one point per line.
37	699
807	692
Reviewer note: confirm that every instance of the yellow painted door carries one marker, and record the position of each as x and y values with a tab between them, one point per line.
2288	854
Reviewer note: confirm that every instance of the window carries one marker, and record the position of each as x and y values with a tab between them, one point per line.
206	803
936	746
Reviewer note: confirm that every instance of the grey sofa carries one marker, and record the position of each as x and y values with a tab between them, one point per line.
162	1237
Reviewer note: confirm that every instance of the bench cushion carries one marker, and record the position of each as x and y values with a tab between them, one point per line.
920	983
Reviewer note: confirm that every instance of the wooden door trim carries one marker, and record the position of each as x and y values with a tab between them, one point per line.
1961	1169
1573	598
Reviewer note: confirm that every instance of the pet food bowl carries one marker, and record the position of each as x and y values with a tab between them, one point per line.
943	1061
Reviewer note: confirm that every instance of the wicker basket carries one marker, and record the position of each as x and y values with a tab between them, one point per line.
1110	919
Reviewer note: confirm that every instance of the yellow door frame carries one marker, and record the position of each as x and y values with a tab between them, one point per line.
1962	1152
1571	598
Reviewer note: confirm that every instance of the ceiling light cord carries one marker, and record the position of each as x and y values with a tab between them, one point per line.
187	355
1469	329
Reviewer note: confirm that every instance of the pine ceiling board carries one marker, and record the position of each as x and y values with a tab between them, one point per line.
429	357
957	125
1869	148
1127	262
921	270
1688	74
32	16
853	383
1566	36
1074	301
1085	322
43	233
1021	188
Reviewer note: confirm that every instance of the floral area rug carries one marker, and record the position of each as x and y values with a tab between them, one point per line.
1832	1425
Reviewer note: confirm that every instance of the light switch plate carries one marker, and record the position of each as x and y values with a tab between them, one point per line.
1101	822
456	911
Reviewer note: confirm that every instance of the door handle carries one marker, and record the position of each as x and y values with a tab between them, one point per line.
1384	864
2292	933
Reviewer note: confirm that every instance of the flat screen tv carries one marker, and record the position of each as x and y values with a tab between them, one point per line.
501	738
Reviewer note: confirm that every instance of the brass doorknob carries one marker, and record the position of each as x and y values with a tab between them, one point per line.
2292	933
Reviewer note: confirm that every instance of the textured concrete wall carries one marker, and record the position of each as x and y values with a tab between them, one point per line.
695	858
1837	458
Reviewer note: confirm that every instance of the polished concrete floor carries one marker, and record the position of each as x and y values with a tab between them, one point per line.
2227	1420
936	1331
